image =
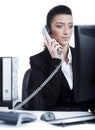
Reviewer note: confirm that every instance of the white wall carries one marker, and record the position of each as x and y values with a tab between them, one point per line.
21	23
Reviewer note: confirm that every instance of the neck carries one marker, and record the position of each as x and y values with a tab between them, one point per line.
65	53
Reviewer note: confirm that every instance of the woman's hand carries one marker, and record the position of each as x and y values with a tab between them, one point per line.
53	47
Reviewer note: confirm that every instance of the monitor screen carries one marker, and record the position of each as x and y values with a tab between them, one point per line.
84	73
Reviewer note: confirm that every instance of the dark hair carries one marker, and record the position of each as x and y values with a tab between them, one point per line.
60	9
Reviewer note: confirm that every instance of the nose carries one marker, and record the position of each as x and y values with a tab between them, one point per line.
66	30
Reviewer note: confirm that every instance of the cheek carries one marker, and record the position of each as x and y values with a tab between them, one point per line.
55	33
71	33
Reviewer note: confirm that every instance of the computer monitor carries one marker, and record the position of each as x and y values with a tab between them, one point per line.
84	71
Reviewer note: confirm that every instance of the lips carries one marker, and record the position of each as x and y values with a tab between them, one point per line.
65	38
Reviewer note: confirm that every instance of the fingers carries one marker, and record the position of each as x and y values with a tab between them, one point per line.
54	47
49	44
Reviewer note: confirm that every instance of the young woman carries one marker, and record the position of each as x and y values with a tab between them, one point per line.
58	93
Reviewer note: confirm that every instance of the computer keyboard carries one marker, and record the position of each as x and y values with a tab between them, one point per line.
90	117
16	118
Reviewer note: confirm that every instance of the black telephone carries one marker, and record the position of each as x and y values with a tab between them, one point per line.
46	33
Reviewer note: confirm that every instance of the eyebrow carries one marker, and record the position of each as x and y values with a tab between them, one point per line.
64	23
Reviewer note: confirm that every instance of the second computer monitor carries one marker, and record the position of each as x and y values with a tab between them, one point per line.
84	73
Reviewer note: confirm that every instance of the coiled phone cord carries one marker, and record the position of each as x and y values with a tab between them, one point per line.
39	88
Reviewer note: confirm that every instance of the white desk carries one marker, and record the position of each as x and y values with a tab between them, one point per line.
38	124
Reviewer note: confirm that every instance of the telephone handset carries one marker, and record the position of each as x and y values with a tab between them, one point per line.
46	33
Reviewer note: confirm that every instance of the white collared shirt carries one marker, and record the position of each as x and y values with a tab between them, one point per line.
67	70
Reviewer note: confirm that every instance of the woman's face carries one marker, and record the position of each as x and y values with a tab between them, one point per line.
61	28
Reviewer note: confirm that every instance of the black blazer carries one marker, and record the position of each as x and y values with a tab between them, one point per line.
56	95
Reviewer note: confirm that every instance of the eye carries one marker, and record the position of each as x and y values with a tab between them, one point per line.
70	26
59	26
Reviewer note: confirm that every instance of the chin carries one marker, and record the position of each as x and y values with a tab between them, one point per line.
65	44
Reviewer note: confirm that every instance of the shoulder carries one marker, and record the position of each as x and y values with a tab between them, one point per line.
40	58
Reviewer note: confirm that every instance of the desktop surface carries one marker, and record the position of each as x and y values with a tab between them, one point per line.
40	124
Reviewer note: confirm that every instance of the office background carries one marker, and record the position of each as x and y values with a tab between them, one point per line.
21	23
